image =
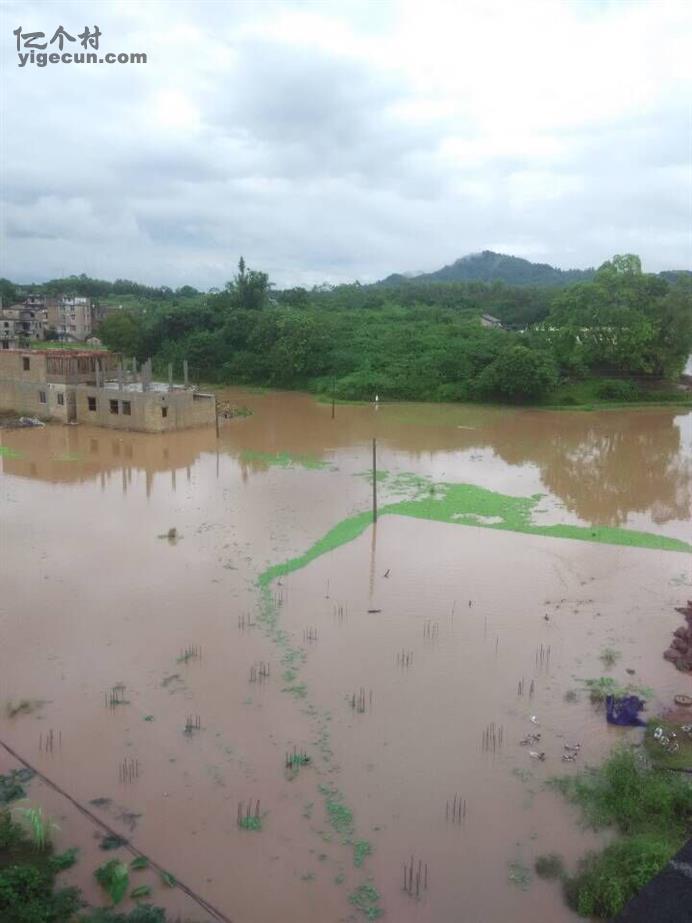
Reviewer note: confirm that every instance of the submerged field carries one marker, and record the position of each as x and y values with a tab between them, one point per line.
369	686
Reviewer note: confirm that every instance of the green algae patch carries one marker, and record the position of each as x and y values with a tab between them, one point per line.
361	849
7	452
467	504
283	460
366	898
341	534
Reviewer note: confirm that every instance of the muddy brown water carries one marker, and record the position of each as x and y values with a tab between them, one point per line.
92	596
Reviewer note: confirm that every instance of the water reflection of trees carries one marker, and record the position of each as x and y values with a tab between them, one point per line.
603	466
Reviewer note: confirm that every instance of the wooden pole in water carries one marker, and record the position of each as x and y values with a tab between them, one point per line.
333	395
374	480
216	415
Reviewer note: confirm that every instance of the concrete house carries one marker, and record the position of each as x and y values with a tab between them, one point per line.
93	387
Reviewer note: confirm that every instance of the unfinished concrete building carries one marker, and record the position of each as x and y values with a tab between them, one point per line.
95	387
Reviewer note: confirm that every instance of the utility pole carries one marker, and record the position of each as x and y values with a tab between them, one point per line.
374	480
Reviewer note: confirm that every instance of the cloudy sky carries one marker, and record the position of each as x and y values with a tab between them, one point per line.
343	140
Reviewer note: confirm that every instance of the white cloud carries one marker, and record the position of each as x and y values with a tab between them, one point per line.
343	140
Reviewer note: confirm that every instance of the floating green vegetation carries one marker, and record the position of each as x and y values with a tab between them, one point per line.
599	689
22	707
519	875
366	898
549	866
298	690
282	460
652	813
514	514
340	815
361	850
112	841
609	656
12	785
64	860
7	452
466	504
250	822
140	892
139	863
294	761
168	879
114	878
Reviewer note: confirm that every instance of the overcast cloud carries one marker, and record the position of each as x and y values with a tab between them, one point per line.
337	141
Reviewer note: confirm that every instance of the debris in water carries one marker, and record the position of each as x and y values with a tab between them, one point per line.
529	739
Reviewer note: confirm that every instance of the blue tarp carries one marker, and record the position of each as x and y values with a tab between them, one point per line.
624	710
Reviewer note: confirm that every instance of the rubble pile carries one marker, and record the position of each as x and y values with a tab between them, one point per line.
680	650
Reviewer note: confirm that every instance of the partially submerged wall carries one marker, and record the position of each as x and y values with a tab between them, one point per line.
145	411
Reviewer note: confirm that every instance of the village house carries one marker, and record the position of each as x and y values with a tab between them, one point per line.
66	317
487	320
94	387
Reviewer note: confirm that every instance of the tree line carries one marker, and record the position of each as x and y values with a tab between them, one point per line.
416	342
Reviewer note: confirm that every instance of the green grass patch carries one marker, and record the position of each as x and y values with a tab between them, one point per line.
652	813
606	881
250	823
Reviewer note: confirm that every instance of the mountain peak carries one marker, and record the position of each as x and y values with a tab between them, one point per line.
488	266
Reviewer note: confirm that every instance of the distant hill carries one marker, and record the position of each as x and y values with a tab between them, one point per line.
497	267
676	275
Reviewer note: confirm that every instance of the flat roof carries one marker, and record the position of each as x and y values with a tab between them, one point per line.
60	352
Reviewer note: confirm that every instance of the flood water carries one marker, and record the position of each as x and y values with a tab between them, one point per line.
475	631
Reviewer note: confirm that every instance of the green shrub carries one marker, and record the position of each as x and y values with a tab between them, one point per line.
651	810
629	795
606	881
27	896
618	390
